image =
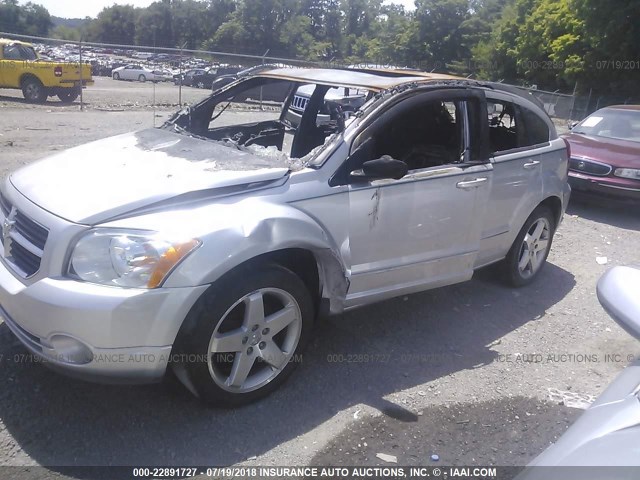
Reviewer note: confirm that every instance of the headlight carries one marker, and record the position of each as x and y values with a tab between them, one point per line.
627	173
127	259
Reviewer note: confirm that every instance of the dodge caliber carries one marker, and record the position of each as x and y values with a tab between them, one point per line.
211	245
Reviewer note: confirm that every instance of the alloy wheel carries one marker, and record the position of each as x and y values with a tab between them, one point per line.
254	340
534	248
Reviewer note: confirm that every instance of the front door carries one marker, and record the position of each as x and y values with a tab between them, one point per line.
12	59
423	230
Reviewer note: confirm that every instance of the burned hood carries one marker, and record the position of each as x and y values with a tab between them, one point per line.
110	177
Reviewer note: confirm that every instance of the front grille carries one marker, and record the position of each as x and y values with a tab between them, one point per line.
30	230
23	239
26	261
299	103
5	206
589	167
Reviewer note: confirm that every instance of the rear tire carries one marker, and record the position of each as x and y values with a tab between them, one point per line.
530	250
68	95
142	78
34	91
242	338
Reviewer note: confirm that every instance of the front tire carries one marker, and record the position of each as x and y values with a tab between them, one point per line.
242	338
34	91
116	76
530	250
142	78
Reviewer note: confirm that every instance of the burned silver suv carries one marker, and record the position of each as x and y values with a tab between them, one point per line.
212	244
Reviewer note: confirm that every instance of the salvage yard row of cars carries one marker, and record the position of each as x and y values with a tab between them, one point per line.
23	67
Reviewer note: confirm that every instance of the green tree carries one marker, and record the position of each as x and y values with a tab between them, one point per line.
440	32
550	47
613	37
297	38
66	33
389	45
154	25
497	56
27	19
115	24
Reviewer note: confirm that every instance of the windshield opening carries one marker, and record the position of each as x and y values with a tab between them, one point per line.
283	120
611	123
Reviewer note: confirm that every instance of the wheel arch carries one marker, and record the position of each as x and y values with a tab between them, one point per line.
320	269
26	76
555	205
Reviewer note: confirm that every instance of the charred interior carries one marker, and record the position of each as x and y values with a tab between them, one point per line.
304	116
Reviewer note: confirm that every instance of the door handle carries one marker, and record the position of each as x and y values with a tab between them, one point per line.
530	165
476	182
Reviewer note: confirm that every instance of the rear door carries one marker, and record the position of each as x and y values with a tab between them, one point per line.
423	230
517	175
127	72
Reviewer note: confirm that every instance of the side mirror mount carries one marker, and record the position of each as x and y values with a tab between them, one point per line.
380	168
572	125
618	294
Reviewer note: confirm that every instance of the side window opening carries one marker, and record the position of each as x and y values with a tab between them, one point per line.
12	52
512	127
537	128
225	118
504	128
427	134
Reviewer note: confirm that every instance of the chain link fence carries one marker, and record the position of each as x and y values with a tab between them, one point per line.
572	108
177	66
104	58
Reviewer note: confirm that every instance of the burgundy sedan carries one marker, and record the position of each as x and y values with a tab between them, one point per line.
605	153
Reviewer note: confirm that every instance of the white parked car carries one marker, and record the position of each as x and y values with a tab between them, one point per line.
140	73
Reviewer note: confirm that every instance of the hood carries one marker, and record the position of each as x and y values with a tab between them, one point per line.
612	151
99	180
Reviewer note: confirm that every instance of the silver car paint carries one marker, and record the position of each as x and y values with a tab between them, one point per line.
607	433
133	170
518	187
364	250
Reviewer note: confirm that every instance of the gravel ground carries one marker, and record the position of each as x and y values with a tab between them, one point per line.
464	372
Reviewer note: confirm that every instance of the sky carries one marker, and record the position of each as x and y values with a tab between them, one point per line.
91	8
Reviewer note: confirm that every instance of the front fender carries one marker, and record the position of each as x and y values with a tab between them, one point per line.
240	232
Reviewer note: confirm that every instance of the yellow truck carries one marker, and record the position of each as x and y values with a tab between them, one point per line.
21	67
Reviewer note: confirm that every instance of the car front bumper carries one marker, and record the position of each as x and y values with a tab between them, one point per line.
97	333
622	189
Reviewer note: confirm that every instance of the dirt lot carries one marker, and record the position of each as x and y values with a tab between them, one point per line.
449	372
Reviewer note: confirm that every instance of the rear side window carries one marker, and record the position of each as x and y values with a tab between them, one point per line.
505	129
18	52
536	127
512	127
